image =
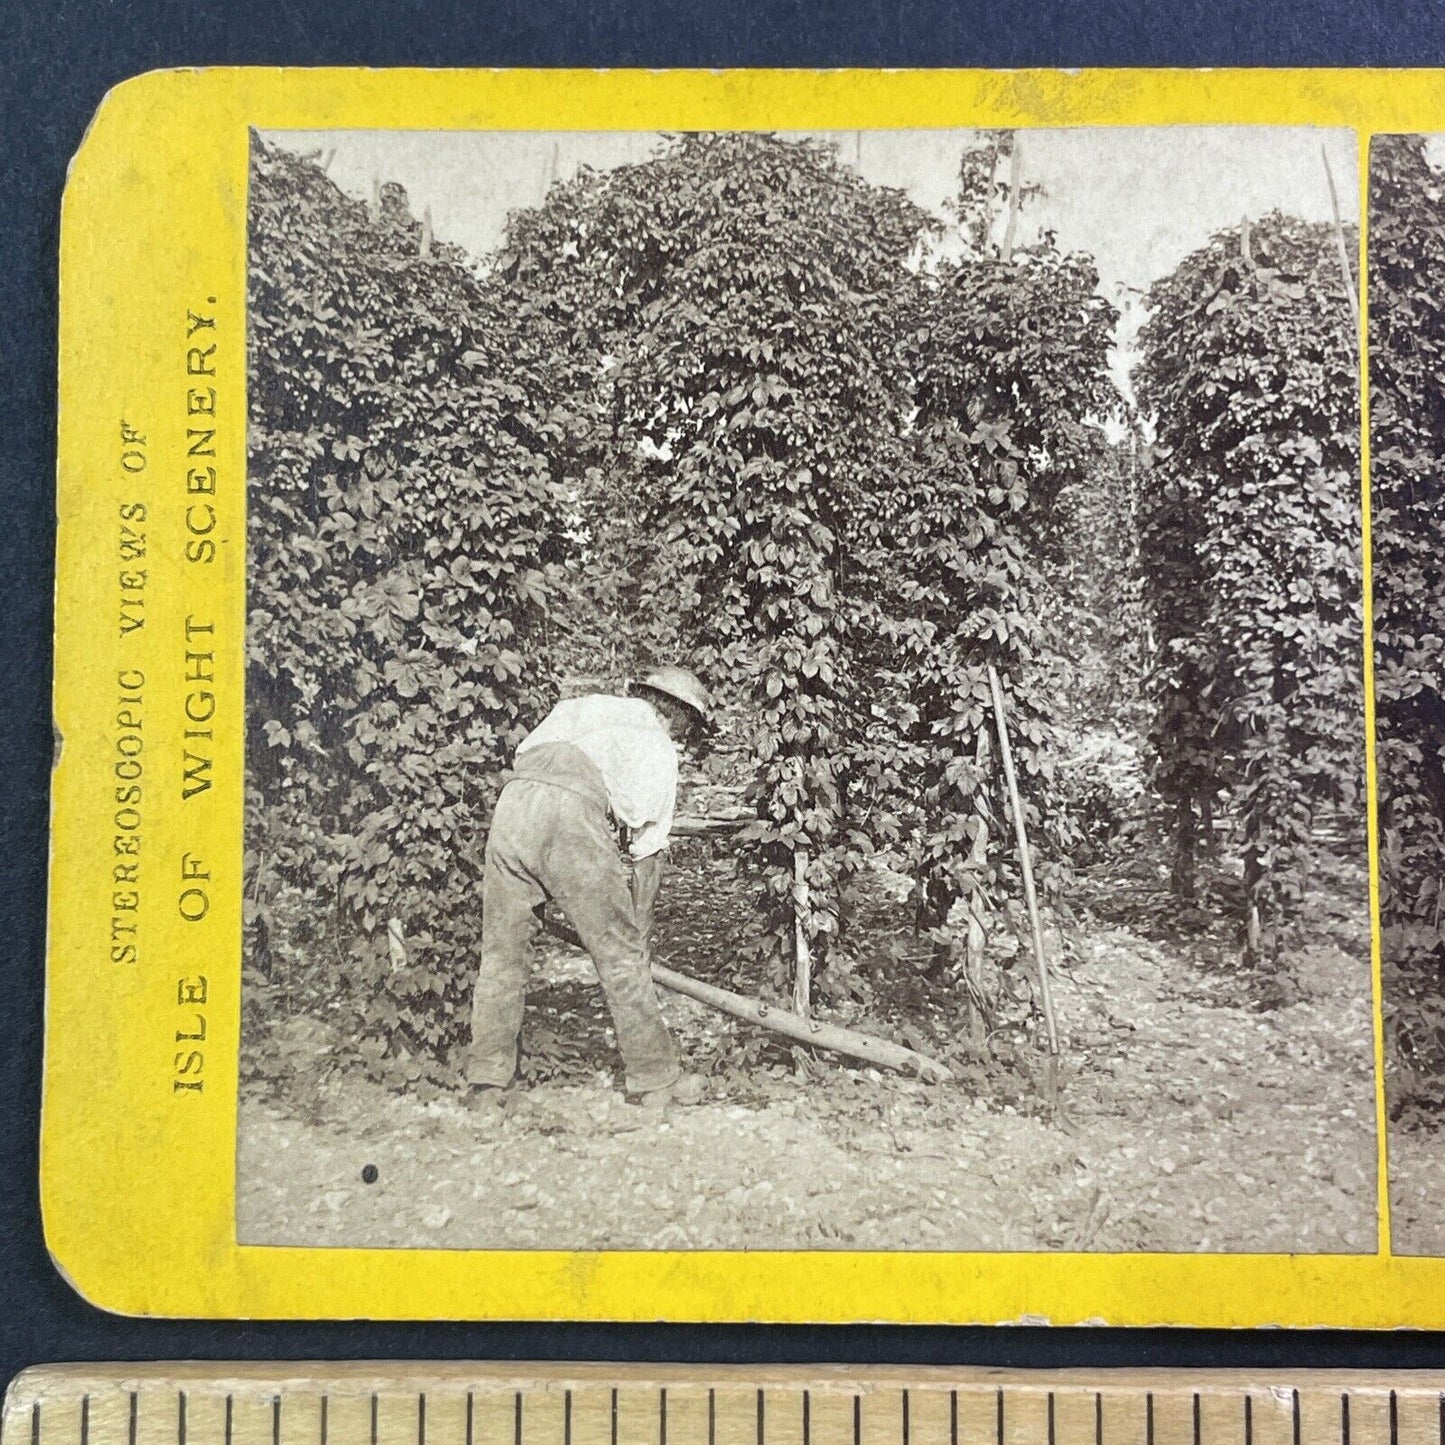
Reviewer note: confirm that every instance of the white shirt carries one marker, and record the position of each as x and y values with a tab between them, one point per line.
632	751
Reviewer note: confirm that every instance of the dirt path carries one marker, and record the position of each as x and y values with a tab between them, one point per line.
1417	1185
1197	1124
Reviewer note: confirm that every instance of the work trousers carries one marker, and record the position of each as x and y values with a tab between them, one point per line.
551	838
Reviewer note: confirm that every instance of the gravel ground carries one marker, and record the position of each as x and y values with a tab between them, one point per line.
1189	1123
1417	1190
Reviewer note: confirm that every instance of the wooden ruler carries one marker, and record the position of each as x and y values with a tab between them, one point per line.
461	1404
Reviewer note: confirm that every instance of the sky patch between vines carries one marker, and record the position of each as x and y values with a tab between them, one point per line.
1138	200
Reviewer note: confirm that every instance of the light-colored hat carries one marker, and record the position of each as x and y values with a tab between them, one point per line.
682	685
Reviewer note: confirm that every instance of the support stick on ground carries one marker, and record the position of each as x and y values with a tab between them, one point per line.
832	1037
1026	866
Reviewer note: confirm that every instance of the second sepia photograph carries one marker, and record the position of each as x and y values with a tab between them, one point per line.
806	692
1407	483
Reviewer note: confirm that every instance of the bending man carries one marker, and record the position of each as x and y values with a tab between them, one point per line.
596	779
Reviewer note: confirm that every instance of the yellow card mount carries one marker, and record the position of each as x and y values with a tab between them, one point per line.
942	513
380	1403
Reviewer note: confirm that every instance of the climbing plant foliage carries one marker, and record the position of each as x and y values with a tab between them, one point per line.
405	536
735	293
1004	364
1407	471
1252	552
736	406
842	451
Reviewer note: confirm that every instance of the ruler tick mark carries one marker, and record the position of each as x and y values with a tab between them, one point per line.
1345	1417
134	1414
712	1417
275	1420
421	1418
230	1418
807	1418
566	1419
1394	1418
905	1418
471	1409
1149	1418
614	1416
1197	1432
762	1412
517	1418
35	1423
998	1414
325	1413
85	1420
181	1417
1051	1419
953	1418
373	1420
1294	1409
1098	1417
857	1419
662	1417
1249	1420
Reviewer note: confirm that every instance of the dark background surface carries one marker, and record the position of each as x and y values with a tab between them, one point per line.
59	60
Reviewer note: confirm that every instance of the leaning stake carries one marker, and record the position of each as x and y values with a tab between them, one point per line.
802	953
1344	250
1027	868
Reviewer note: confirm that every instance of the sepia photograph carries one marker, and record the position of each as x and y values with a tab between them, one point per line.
1407	483
806	691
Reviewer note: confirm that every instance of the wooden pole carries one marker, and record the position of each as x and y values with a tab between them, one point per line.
802	953
1344	250
1025	859
976	940
986	225
1011	227
712	826
830	1037
396	944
